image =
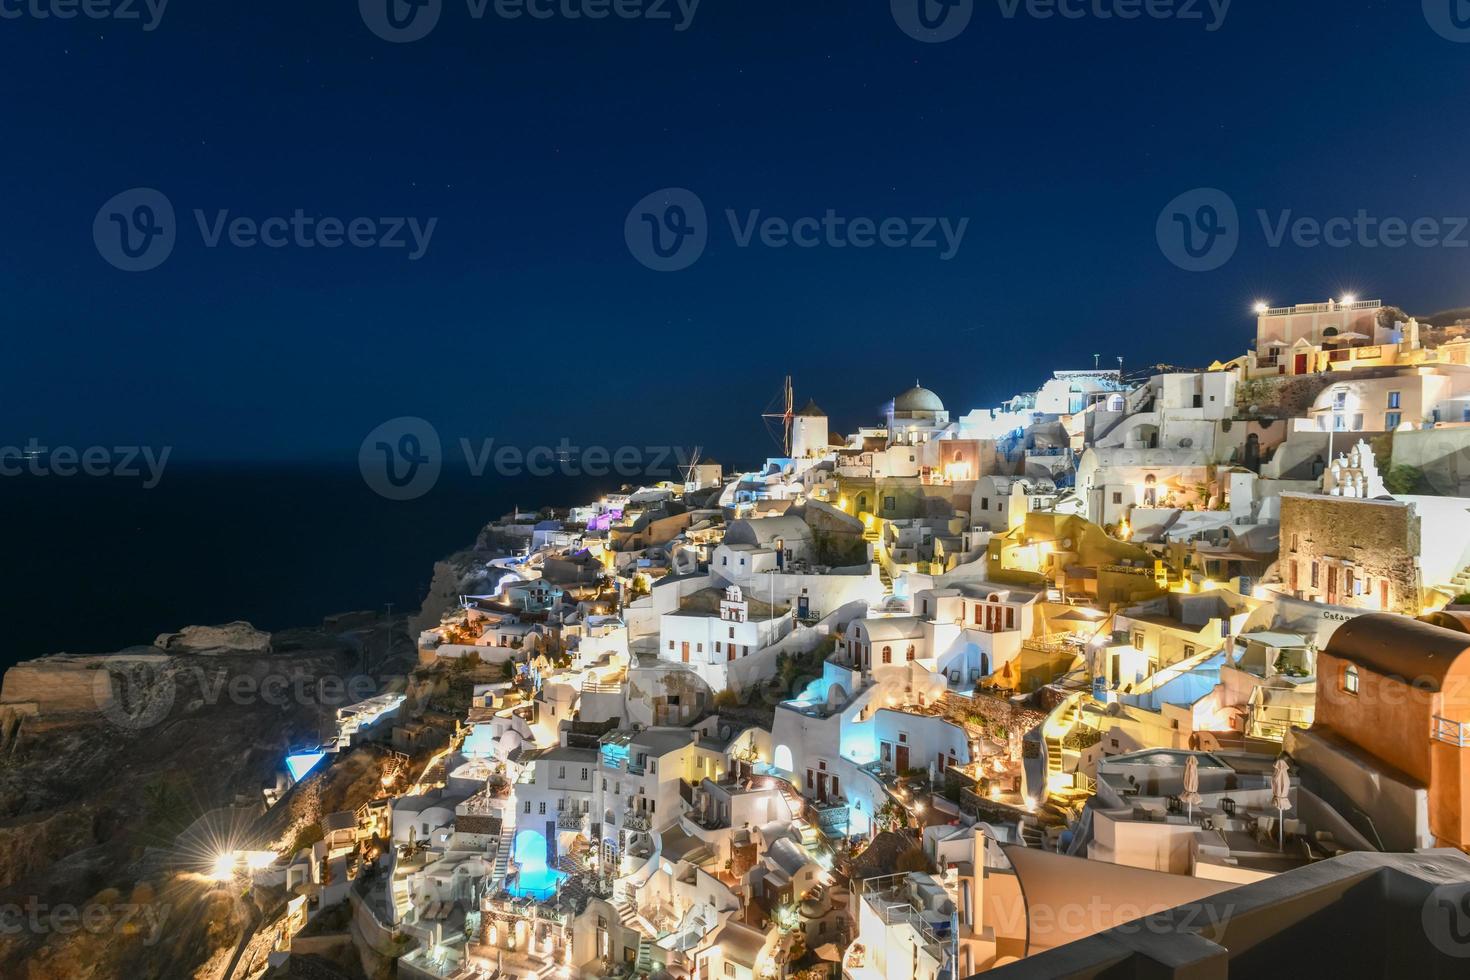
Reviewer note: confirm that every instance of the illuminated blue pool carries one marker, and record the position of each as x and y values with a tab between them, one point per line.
534	879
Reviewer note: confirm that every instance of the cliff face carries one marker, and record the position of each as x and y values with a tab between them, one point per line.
104	760
462	573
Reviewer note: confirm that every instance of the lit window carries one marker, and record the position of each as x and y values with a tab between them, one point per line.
1393	399
1350	679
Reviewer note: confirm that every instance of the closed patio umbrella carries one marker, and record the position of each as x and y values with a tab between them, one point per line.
1191	796
1281	794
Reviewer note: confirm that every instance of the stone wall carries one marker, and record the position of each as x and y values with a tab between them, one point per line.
1379	540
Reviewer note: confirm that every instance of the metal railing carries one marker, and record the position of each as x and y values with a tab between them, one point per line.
1456	733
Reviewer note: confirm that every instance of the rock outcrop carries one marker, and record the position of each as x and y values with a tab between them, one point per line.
237	637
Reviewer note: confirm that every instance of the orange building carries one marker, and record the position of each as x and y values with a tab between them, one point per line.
1393	697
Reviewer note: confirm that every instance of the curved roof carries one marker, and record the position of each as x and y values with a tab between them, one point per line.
918	399
1411	651
1451	619
762	532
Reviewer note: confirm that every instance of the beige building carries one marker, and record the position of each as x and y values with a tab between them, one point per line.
1350	552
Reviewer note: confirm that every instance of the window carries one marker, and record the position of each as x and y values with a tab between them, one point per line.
1392	420
584	774
984	503
671	644
1339	399
724	559
888	655
528	807
561	772
1138	640
541	808
1314	573
891	503
732	632
1393	399
699	648
1350	679
911	652
1117	498
902	737
1295	540
729	969
1188	650
718	646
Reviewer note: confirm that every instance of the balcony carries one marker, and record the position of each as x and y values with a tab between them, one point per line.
572	821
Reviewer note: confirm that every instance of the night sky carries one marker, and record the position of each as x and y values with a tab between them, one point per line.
527	319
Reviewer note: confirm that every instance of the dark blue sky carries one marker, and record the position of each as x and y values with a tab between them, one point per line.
527	319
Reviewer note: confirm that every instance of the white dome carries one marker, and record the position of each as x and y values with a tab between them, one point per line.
918	399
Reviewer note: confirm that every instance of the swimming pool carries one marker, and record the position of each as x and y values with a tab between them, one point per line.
534	878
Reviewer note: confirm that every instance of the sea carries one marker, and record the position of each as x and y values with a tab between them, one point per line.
94	564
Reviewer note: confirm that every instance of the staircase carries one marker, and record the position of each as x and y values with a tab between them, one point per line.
1461	581
627	912
1031	835
645	956
1063	724
502	851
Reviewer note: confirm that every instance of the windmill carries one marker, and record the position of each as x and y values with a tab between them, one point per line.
785	415
693	462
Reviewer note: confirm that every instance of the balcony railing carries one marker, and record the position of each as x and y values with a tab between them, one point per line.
1456	733
571	821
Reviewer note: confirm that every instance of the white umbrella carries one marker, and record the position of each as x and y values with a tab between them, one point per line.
1191	796
1281	794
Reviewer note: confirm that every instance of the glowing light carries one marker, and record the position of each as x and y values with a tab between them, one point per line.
224	867
1349	299
1262	307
